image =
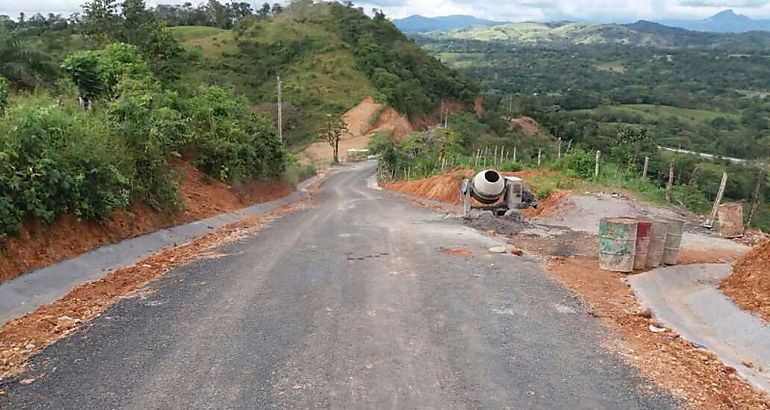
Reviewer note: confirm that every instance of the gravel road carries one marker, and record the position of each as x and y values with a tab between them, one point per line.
346	305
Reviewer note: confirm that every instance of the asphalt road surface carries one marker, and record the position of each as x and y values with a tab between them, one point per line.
345	305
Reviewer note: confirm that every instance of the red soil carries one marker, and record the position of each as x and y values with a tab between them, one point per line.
527	124
446	188
749	285
478	106
40	245
391	119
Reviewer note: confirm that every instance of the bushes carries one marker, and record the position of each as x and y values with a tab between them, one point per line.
578	163
230	142
3	94
57	160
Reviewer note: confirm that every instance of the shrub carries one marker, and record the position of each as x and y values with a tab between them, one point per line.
57	159
578	163
229	141
3	94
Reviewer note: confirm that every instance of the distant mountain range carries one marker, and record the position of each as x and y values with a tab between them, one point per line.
642	34
726	21
420	24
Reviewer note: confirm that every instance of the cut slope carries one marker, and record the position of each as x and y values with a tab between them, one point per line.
749	285
39	245
363	121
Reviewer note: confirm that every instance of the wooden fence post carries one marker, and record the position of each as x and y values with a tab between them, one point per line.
713	217
558	154
596	169
539	154
670	183
755	199
514	153
646	165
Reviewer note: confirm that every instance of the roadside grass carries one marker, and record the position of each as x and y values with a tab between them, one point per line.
610	180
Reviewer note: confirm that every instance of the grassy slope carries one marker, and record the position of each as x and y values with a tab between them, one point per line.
213	42
653	112
322	80
648	35
326	80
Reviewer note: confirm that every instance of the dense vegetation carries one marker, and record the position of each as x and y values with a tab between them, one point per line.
640	34
96	108
329	57
701	98
101	128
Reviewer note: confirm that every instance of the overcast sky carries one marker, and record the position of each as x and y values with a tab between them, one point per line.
509	10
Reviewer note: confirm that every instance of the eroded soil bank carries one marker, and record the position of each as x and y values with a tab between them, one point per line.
40	245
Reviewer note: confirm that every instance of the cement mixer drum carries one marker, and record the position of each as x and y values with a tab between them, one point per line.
488	186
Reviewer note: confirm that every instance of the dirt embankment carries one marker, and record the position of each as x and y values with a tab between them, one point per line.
564	235
446	188
749	285
362	121
672	362
40	245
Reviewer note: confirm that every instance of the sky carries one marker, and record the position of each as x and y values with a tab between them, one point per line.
501	10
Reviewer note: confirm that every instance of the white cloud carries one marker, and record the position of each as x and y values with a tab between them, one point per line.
514	10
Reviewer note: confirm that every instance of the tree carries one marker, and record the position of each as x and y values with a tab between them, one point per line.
99	73
264	11
629	143
20	63
335	129
100	18
3	94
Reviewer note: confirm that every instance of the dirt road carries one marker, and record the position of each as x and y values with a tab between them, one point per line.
349	304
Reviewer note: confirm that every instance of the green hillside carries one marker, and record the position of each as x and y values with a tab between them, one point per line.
329	58
96	112
642	33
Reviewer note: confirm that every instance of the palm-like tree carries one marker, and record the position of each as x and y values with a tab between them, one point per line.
21	64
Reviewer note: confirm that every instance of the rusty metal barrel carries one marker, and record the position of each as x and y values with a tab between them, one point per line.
673	241
643	232
617	244
658	235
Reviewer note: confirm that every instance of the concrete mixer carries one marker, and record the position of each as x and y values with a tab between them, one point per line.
496	193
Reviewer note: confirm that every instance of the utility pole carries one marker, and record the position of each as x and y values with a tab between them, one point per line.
670	183
280	111
755	199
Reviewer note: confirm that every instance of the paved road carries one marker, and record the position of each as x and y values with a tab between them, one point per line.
345	305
